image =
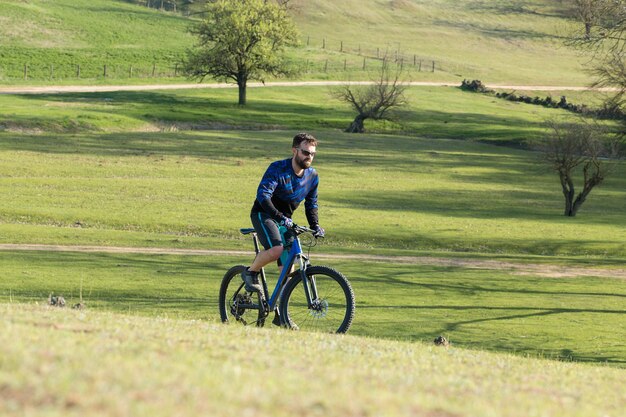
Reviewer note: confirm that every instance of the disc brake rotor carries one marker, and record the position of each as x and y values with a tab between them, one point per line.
319	309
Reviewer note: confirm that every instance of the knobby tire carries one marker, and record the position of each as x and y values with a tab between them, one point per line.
231	288
335	307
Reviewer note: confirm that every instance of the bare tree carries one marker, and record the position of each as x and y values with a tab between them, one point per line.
572	147
375	100
589	13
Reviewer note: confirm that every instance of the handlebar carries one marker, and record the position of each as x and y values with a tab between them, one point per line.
298	230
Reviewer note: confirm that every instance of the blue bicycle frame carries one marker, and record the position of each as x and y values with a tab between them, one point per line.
295	256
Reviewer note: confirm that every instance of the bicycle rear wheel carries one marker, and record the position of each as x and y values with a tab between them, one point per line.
235	303
332	310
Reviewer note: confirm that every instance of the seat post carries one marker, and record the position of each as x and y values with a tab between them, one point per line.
256	243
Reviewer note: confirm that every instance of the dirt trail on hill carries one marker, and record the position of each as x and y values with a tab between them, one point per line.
540	270
150	87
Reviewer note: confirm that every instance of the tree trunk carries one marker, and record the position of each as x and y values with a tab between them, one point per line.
590	182
570	211
587	30
357	125
568	191
242	92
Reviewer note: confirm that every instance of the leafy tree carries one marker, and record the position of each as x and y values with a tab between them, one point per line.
375	100
241	40
570	147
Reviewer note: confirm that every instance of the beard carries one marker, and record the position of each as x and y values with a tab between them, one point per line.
303	163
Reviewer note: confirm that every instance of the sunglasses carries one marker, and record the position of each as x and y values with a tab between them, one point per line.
307	153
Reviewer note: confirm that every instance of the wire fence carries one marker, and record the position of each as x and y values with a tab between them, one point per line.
87	71
390	53
320	56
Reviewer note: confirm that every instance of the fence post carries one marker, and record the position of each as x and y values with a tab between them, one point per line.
153	69
341	46
130	71
308	40
363	63
25	71
105	70
324	43
433	66
326	66
345	64
78	71
51	71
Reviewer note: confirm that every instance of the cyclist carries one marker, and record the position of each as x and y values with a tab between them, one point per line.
284	186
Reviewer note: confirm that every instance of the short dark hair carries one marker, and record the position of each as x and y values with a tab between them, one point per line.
304	137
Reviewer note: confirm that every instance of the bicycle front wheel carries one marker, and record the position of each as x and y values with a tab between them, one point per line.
237	305
332	307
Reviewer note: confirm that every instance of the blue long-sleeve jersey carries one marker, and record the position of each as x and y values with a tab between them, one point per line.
281	191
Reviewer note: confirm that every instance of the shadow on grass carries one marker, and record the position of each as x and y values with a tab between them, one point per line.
497	32
213	107
475	289
216	111
509	8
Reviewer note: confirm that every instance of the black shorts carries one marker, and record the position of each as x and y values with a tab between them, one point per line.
270	234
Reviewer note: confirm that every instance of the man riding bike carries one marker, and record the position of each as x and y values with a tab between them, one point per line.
285	184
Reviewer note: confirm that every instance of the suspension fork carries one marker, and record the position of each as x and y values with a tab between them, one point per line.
310	288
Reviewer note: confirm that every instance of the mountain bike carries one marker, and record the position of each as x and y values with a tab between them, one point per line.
306	297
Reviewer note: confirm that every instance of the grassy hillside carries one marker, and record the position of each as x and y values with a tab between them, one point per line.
433	112
149	189
511	40
66	156
553	312
504	41
164	367
67	33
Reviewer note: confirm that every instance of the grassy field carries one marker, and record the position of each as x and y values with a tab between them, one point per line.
433	112
179	169
164	367
507	41
135	175
67	33
166	189
123	168
562	317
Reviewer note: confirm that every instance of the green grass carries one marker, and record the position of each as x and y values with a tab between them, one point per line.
155	188
433	112
504	42
180	169
162	367
564	318
67	33
494	41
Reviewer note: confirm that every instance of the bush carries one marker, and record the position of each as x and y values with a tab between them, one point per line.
476	86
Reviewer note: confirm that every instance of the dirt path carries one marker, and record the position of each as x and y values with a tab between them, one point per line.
108	88
541	270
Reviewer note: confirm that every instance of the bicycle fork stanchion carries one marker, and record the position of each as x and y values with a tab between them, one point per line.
310	293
